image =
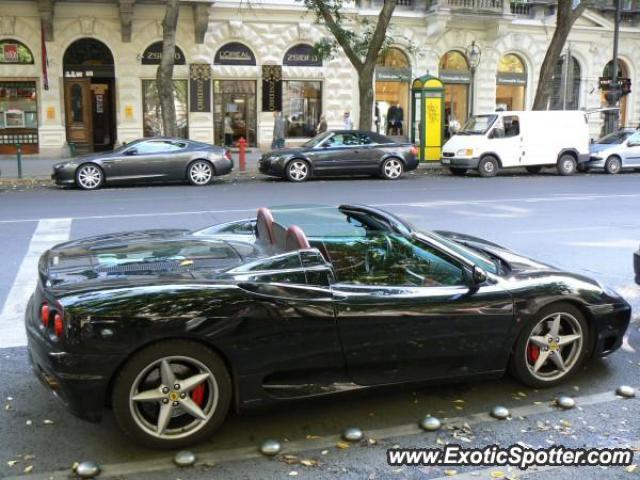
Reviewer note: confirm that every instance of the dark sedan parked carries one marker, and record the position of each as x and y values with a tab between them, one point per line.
343	152
155	159
173	328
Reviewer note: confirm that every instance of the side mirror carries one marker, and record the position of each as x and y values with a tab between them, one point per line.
478	275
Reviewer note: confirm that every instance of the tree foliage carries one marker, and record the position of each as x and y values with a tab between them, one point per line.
566	16
361	41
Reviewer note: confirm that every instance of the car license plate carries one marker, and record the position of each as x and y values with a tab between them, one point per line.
446	161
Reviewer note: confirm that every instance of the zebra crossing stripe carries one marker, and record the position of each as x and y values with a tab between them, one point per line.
48	233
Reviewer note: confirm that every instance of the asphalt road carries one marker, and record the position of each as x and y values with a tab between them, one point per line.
586	223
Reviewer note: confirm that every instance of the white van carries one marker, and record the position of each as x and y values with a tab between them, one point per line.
532	139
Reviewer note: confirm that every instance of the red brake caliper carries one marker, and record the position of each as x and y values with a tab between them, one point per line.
197	394
533	352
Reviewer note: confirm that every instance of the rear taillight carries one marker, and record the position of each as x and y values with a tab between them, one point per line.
58	325
414	150
44	315
227	154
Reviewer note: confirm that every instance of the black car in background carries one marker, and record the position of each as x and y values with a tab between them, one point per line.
173	328
155	159
341	152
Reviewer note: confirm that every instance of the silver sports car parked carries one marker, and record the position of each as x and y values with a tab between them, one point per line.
152	159
616	151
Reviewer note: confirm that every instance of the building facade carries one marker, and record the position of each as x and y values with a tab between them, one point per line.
83	73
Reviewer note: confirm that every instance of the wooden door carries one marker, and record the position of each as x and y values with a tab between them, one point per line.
79	114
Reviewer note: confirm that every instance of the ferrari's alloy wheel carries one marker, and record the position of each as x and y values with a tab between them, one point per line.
183	393
551	346
89	177
297	171
172	394
392	168
200	173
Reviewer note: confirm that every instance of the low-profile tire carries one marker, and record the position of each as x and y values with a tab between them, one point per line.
392	169
200	173
613	165
145	394
298	170
567	164
488	166
457	171
534	169
89	176
570	342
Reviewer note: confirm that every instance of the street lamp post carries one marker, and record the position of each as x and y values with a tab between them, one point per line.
473	56
614	93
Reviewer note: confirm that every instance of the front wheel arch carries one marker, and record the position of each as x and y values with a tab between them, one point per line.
213	168
299	159
82	165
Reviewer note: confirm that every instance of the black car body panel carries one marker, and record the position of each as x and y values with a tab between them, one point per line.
146	160
363	156
287	321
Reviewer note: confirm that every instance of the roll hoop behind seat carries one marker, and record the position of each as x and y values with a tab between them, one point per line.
296	239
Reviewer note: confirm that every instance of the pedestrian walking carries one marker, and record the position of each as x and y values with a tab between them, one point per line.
322	126
348	123
278	130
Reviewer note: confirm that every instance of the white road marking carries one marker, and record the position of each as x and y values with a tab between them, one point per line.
433	204
48	233
125	469
625	243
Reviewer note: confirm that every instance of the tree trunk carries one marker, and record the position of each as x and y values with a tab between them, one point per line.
565	18
365	87
164	77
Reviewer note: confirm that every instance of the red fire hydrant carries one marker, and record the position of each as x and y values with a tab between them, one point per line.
242	155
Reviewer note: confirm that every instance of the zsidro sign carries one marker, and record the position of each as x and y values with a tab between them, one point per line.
153	54
302	55
234	53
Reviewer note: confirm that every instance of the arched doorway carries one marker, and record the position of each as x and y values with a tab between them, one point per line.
455	73
511	83
89	95
565	85
393	82
625	84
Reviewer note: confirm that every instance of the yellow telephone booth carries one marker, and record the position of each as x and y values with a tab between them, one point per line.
427	117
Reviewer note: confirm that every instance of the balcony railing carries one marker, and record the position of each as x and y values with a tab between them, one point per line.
479	6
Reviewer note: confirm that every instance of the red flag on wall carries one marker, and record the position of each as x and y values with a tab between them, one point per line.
45	59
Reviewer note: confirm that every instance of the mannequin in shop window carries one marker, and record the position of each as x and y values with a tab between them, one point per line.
228	130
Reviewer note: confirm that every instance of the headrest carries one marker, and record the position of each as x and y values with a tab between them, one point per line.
264	225
296	239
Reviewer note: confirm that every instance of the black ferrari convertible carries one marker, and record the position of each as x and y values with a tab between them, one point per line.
172	328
